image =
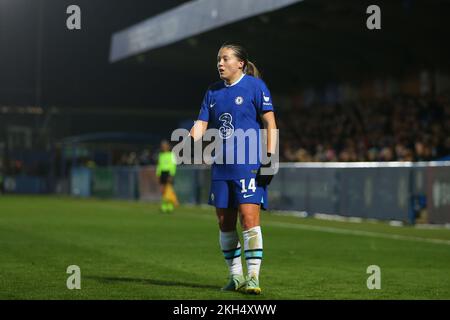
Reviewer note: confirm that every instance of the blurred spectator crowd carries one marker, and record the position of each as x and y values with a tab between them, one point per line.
395	129
404	128
134	158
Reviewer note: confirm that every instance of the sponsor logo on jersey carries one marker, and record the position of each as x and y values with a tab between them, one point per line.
266	101
226	129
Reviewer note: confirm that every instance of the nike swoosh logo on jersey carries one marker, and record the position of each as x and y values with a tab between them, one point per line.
248	195
212	105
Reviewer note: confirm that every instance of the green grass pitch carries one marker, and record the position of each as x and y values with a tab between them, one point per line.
129	250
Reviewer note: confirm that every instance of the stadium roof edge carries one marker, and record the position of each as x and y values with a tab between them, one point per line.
186	20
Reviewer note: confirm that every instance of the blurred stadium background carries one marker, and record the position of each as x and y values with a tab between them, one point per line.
75	119
364	115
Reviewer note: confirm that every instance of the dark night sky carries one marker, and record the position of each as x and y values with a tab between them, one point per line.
75	67
310	42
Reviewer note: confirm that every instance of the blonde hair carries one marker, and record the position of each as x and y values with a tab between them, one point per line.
252	70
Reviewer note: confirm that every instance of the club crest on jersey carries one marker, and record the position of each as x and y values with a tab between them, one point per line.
239	100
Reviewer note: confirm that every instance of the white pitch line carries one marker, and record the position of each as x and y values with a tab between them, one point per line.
355	232
341	231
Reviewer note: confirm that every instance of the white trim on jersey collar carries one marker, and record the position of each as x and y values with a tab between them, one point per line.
236	82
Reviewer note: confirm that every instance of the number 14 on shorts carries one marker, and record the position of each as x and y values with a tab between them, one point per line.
251	185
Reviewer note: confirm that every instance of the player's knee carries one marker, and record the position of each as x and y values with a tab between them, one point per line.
249	221
227	227
226	224
249	224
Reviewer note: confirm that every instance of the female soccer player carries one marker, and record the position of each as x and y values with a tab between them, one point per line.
239	101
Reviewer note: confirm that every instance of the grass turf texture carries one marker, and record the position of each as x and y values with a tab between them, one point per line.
129	250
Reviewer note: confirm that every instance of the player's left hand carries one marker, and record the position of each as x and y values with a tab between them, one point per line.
264	180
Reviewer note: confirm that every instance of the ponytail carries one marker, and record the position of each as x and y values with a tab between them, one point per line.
252	70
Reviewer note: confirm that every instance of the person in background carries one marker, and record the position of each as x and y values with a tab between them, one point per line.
165	171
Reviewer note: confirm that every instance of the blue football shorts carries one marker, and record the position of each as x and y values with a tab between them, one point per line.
231	193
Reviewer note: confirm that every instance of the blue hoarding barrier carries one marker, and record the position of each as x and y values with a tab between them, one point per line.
80	182
25	185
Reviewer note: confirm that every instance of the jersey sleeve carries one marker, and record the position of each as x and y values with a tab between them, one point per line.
263	99
204	109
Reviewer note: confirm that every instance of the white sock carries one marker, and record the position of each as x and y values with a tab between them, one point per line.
231	248
253	247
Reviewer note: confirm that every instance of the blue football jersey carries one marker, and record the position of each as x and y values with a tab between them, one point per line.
232	107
